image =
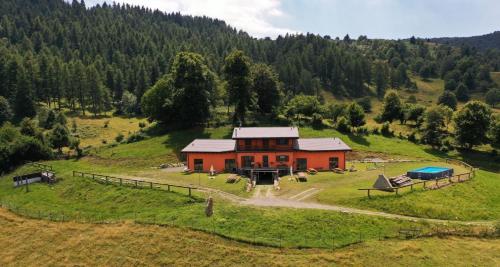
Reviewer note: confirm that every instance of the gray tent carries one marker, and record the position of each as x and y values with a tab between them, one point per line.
383	183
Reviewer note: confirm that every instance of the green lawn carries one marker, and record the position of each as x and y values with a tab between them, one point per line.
477	199
84	199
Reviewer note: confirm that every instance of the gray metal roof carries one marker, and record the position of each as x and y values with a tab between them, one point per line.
320	144
211	145
265	132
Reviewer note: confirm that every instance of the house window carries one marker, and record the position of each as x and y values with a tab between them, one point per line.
282	141
230	165
247	161
282	158
265	143
248	144
334	163
198	164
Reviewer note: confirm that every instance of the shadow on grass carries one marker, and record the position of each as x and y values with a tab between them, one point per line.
358	139
480	159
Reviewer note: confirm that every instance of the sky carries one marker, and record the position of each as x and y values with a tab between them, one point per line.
388	19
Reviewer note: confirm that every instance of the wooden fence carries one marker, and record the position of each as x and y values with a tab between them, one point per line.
132	182
458	178
463	164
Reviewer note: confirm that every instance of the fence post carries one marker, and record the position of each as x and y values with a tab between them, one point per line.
121	181
106	179
168	188
73	173
151	185
189	191
135	183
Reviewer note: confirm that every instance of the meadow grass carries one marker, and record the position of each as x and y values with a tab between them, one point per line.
92	130
35	242
74	198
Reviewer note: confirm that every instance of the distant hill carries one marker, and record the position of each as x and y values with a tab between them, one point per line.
481	42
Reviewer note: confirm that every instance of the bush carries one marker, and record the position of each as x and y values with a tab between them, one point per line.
492	97
412	137
317	120
343	125
142	125
28	148
362	130
375	130
136	137
106	124
385	130
119	138
365	103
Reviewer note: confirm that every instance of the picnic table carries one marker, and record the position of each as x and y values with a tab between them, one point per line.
233	178
301	177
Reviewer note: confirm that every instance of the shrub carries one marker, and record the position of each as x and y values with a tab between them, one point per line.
385	130
317	120
106	123
104	141
136	137
343	125
362	130
74	126
142	125
492	97
355	114
365	103
375	130
412	137
119	138
29	148
448	99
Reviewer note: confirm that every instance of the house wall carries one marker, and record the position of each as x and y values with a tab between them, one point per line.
317	160
209	159
320	160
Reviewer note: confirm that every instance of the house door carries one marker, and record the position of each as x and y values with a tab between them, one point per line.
334	163
230	165
301	164
265	161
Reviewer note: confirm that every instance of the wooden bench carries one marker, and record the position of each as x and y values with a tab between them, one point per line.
312	171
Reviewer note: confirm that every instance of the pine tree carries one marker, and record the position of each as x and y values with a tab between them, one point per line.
24	104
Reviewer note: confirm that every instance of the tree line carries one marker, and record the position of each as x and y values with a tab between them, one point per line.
105	57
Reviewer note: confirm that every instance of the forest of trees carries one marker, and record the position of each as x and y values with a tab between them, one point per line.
105	57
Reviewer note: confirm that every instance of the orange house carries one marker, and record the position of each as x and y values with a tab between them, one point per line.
265	149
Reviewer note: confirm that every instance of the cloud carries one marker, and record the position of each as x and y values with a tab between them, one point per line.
253	16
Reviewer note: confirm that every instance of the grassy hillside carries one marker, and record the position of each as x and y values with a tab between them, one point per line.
80	199
93	131
34	242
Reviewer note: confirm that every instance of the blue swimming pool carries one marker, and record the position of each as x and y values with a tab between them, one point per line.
429	173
